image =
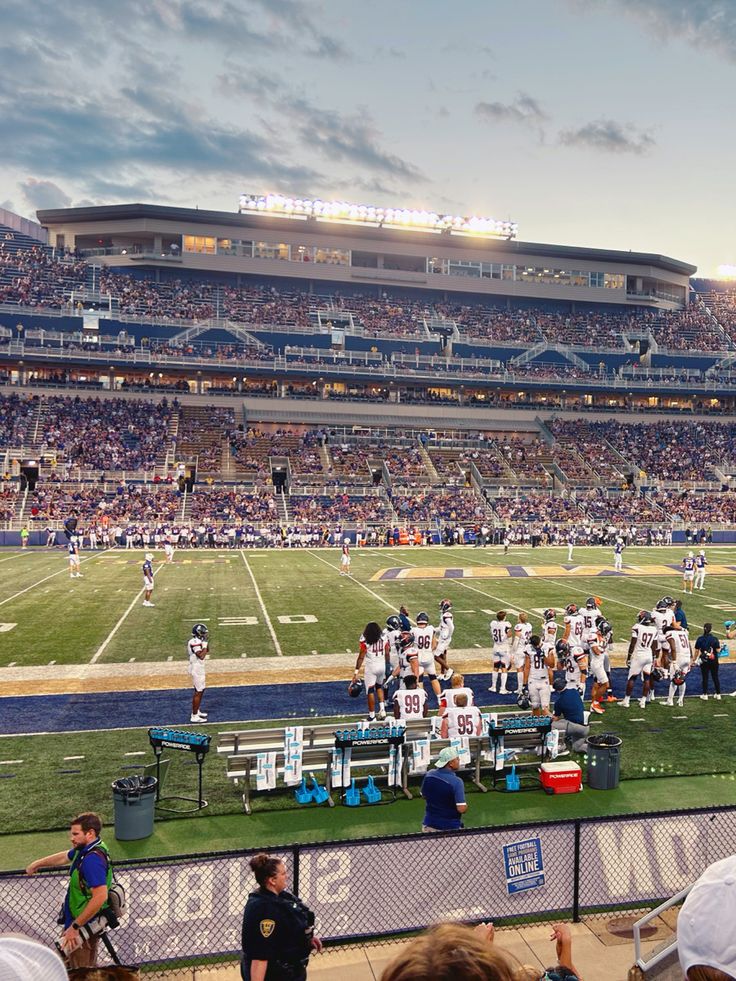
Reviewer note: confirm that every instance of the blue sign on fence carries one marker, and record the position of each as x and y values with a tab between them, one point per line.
524	865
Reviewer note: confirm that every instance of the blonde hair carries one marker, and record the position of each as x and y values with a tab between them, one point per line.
458	681
451	952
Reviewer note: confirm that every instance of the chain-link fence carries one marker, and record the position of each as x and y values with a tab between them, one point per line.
187	911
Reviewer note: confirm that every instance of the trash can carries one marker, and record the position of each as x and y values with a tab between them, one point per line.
604	761
134	799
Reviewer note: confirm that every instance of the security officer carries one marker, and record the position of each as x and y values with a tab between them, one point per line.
278	929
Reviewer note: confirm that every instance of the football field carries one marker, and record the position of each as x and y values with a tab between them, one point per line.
295	603
84	654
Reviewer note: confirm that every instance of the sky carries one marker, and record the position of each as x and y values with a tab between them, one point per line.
602	123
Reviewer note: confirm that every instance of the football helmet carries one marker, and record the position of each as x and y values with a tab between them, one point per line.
645	617
571	609
393	622
591	603
346	541
549	614
690	555
200	631
422	617
406	640
701	552
562	649
604	627
149	557
668	601
445	605
661	606
356	688
678	678
523	700
657	674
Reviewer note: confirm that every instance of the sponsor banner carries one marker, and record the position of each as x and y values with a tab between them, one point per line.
523	865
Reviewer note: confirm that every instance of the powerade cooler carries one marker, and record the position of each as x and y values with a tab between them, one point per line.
561	777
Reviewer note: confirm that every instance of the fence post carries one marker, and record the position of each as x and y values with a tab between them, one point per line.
576	876
296	851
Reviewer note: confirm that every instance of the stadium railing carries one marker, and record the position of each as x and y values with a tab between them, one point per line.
187	910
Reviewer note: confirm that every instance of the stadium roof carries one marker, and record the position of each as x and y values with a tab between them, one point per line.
127	212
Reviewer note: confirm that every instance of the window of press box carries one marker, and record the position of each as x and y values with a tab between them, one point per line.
270	250
199	243
234	246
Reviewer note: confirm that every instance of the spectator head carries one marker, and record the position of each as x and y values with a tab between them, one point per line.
707	628
266	868
449	757
458	681
88	822
451	952
410	681
705	934
559	684
23	959
461	701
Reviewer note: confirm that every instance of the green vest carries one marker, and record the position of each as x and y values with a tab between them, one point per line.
79	892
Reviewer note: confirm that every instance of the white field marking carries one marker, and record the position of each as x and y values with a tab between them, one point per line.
12	664
243	655
352	579
50	663
137	752
9	558
721	715
9	762
68	759
195	620
266	617
103	646
466	585
45	579
170	657
130	660
679	716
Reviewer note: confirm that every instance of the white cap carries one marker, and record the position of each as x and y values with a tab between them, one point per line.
705	933
23	959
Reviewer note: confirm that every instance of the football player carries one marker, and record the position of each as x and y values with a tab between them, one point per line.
345	558
501	652
574	626
680	659
618	554
590	614
688	573
462	721
391	634
410	702
425	640
169	550
457	687
445	631
147	579
597	654
549	630
641	656
197	650
538	675
408	657
700	563
374	650
575	662
74	560
522	634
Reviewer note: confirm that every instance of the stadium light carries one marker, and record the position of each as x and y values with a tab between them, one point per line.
347	213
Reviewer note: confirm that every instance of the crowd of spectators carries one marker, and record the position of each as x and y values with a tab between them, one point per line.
532	508
342	508
16	418
201	435
106	434
220	504
447	506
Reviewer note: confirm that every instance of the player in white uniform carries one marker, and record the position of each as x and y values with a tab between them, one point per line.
373	650
457	687
148	579
575	662
462	721
345	558
663	615
680	661
688	573
590	614
501	650
538	675
522	635
197	650
408	657
391	635
444	636
597	648
169	550
410	702
574	626
700	563
641	656
549	631
425	641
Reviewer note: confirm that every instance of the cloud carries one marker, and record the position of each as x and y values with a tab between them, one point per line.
44	194
8	205
524	109
709	24
352	138
608	136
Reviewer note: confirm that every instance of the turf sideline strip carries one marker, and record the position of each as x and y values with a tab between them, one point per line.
46	578
101	649
266	617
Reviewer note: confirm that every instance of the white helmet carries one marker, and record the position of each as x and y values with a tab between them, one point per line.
690	555
346	541
620	541
149	557
701	552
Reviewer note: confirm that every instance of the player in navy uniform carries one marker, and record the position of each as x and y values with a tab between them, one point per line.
688	573
148	579
618	554
74	561
700	563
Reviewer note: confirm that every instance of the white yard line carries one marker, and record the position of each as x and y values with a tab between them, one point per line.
103	646
266	617
9	558
45	579
336	568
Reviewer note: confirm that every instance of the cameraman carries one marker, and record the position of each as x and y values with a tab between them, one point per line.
278	929
90	877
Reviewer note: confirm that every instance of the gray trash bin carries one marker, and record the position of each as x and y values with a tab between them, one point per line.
604	761
134	799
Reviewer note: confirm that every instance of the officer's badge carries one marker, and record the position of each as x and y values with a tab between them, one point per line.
267	927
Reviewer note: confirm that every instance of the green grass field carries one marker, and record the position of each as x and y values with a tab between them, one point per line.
262	604
292	603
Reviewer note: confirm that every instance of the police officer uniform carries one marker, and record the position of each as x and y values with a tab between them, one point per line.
278	929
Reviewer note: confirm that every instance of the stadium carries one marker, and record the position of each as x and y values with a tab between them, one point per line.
481	424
